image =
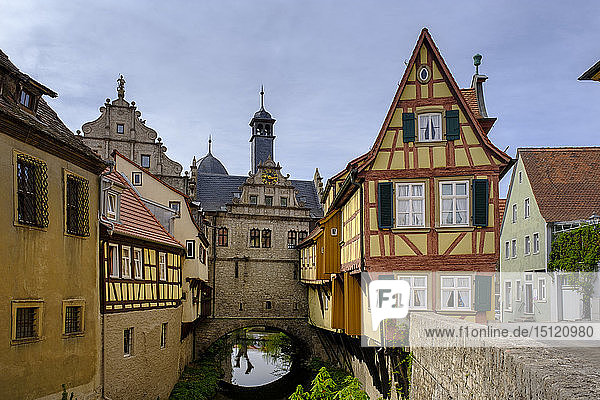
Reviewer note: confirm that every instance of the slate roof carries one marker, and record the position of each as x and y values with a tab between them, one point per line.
209	164
136	220
214	191
7	64
565	181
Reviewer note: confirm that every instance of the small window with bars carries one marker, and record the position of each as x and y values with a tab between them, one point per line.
26	319
266	238
32	191
302	235
26	323
77	206
73	319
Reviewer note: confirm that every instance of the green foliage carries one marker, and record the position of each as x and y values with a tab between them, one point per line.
199	380
578	252
325	387
65	395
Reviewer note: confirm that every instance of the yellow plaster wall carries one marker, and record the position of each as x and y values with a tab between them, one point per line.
423	157
439	157
397	160
419	240
465	246
409	92
479	157
460	158
441	90
381	161
396	121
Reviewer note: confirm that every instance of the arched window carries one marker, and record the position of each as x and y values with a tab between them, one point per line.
222	237
292	239
266	238
254	238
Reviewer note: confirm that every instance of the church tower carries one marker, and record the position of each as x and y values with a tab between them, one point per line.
261	141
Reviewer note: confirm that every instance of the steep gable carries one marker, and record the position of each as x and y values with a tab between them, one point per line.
438	93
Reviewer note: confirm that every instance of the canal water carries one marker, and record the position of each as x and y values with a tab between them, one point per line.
259	363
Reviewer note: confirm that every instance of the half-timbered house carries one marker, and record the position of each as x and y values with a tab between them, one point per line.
422	205
140	275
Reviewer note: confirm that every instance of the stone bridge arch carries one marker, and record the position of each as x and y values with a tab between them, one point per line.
305	335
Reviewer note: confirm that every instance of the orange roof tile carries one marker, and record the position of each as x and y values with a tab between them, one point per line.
136	220
501	207
565	181
471	99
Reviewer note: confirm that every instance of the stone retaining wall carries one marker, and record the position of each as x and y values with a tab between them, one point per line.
496	372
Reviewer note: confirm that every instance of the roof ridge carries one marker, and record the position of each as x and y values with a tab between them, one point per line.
139	199
559	148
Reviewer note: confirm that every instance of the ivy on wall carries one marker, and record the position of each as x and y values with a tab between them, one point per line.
578	252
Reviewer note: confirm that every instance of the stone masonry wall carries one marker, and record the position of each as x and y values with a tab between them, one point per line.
496	372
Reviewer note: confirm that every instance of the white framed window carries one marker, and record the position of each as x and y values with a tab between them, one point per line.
508	295
430	127
518	290
513	248
136	178
137	263
514	214
418	291
536	243
125	262
456	292
121	128
113	260
410	204
111	205
190	247
127	342
162	266
541	289
145	160
455	203
526	209
507	250
527	245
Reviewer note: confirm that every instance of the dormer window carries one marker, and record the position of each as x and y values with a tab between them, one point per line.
120	128
26	99
111	205
430	127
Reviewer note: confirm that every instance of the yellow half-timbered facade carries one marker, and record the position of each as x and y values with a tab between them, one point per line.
423	204
140	295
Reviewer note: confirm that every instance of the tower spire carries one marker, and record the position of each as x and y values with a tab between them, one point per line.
262	97
209	144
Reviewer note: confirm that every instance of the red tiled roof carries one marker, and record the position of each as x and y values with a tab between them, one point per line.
565	181
135	218
501	208
471	99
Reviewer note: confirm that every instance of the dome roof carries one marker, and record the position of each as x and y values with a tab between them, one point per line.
262	114
209	164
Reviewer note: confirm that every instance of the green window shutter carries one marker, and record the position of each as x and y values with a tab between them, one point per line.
483	293
408	127
480	202
385	206
452	125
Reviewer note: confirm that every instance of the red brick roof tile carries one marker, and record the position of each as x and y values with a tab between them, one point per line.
501	207
136	220
565	181
471	99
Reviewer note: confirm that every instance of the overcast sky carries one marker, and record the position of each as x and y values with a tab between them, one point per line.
330	68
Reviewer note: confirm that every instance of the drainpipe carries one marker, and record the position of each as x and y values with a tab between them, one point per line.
111	165
214	262
361	211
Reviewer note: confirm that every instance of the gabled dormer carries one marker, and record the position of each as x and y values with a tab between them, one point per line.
20	89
